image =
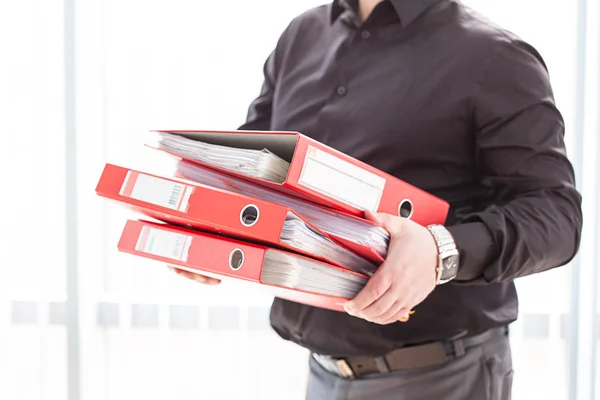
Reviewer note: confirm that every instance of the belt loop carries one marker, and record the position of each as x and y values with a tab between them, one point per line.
458	347
382	364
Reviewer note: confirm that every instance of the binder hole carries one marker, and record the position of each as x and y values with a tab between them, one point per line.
249	215
236	259
405	209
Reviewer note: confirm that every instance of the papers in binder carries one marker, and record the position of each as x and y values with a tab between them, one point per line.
337	224
293	272
261	164
298	234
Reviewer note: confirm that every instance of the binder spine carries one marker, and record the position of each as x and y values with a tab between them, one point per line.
198	252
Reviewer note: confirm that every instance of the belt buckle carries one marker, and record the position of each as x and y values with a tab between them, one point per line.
344	368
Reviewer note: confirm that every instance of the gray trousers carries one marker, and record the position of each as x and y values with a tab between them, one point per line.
483	373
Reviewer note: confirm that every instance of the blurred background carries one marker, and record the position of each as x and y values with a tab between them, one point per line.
83	81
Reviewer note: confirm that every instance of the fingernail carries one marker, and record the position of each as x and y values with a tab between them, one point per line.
200	278
403	319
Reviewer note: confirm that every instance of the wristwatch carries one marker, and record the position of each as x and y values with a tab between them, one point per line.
448	254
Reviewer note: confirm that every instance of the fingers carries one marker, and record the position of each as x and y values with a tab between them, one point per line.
195	277
383	308
401	315
376	287
373	217
204	279
389	222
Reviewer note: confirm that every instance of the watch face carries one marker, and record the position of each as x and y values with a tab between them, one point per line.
450	267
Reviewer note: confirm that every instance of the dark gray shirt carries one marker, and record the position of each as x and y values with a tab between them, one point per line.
437	96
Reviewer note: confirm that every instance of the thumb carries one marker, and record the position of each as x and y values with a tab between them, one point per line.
373	217
389	222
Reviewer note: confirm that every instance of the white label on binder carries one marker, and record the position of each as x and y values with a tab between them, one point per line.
157	191
163	243
341	180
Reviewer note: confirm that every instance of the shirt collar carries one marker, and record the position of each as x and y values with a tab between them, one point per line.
407	10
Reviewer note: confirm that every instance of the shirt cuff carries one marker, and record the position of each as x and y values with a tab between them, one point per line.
476	247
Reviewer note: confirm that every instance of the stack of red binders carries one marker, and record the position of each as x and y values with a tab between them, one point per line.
275	208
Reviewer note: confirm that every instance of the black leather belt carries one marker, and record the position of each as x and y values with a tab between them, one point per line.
406	358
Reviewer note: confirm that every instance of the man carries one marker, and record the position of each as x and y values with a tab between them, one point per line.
434	94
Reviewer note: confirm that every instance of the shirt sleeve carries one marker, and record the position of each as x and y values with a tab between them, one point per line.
535	222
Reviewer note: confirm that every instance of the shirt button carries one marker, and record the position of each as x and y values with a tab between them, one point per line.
341	90
365	34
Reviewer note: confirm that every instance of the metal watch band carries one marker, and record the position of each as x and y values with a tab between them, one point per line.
446	248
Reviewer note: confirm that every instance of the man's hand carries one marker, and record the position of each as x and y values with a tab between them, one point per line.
406	277
194	277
